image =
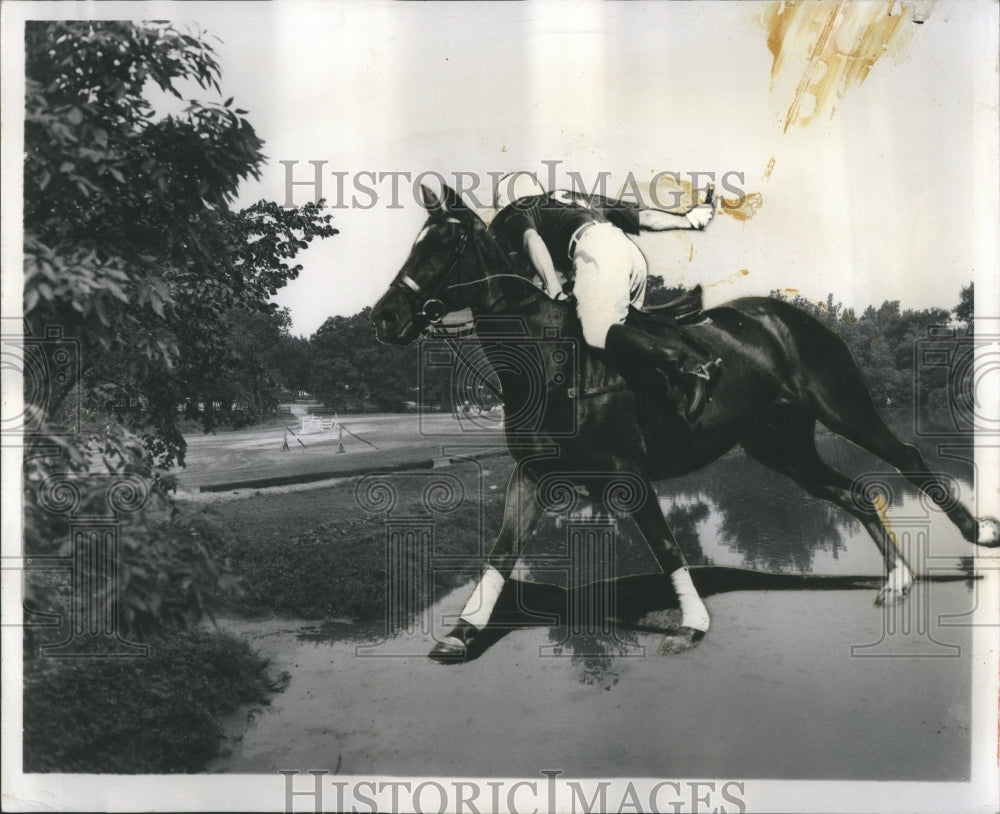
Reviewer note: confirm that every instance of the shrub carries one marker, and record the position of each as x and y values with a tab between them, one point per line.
151	715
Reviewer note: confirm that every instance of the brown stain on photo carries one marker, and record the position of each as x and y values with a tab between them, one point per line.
741	208
839	43
729	278
679	196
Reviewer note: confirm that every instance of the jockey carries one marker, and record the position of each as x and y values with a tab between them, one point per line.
582	238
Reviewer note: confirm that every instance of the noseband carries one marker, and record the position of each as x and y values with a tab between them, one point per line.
434	309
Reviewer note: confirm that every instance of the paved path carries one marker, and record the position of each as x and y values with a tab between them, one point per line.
256	455
773	691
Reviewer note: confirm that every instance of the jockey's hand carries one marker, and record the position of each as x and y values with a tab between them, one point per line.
700	216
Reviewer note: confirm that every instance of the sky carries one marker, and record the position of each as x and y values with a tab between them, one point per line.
893	196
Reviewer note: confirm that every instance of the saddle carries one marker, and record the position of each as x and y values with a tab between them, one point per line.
683	309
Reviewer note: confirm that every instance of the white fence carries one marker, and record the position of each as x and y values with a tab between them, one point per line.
313	423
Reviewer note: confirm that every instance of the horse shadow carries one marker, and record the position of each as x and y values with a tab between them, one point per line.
642	603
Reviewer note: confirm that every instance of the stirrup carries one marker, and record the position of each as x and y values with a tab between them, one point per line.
706	370
704	378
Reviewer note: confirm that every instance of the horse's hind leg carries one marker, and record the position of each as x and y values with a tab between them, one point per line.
656	532
792	451
845	407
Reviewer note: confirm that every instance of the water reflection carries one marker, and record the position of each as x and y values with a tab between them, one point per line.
768	519
598	659
736	515
685	520
596	626
747	526
773	524
738	512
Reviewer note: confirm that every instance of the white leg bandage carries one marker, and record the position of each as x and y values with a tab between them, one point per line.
693	612
480	605
899	578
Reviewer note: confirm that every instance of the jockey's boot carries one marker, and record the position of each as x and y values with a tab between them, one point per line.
684	365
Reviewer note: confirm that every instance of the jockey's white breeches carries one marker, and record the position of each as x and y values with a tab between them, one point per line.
610	274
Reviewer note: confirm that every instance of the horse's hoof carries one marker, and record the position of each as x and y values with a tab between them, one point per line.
448	651
988	532
684	638
454	647
888	597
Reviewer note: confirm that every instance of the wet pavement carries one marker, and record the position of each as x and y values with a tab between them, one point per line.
791	684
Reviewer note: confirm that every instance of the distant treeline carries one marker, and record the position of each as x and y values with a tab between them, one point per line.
913	360
345	368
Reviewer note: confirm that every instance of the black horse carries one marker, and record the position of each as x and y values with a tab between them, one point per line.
570	419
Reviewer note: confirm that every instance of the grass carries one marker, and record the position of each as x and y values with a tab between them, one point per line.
311	554
153	715
284	418
317	555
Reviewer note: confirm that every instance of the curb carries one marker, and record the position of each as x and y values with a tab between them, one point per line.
288	480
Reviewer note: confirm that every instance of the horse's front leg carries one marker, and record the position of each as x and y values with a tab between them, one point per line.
656	531
521	512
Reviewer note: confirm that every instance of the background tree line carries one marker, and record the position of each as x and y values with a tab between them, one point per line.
345	368
884	341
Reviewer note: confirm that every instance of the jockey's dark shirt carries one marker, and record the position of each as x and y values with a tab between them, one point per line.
556	216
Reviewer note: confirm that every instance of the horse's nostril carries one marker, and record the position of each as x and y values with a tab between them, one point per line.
387	319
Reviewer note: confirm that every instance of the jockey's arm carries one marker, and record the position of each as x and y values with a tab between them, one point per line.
540	258
656	220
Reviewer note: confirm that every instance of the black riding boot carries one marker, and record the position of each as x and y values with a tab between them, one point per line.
685	365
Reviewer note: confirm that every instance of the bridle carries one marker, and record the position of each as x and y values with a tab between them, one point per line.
433	310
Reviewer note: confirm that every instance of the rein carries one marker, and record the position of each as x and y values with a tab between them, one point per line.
491	307
434	310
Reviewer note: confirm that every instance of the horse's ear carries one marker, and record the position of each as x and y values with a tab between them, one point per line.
452	199
430	200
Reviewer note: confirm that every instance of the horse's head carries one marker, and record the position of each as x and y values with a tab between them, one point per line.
442	256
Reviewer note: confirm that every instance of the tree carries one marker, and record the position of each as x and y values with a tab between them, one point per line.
130	242
133	252
884	341
352	369
965	311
